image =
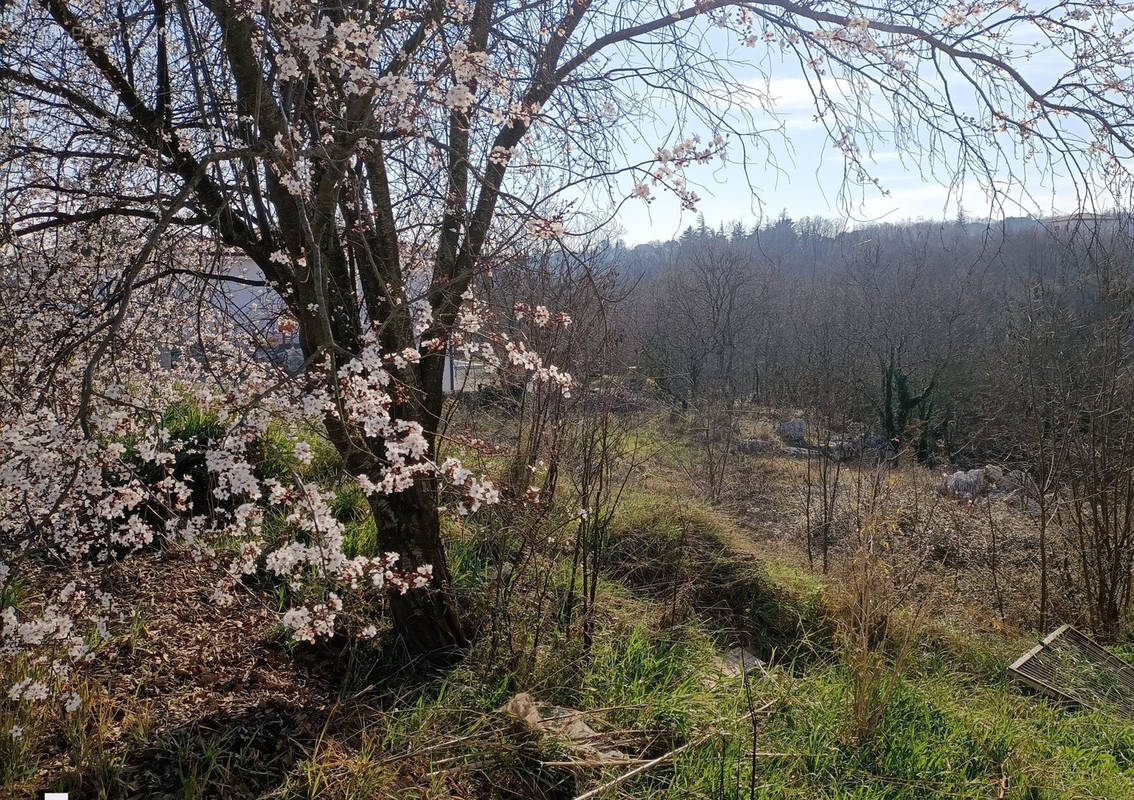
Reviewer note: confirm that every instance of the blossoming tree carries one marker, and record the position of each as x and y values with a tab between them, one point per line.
372	158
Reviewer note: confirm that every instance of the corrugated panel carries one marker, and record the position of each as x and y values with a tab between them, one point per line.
1071	667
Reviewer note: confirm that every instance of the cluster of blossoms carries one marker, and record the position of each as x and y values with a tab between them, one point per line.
520	356
356	51
135	481
476	492
961	13
135	484
176	412
540	315
496	351
57	639
553	229
672	161
467	67
851	39
856	39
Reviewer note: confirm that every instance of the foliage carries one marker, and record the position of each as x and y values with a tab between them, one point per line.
907	417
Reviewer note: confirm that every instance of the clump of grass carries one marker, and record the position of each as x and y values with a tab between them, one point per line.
339	770
99	765
676	551
656	679
188	422
872	648
18	748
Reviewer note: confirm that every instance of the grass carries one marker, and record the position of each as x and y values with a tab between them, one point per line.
944	735
677	550
955	728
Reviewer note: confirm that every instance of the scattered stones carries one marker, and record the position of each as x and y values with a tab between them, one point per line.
876	447
756	447
870	447
989	479
1014	487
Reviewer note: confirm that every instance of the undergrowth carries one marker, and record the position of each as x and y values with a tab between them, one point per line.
674	597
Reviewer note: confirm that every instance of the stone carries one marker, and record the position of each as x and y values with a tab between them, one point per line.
876	447
755	447
793	432
740	660
967	485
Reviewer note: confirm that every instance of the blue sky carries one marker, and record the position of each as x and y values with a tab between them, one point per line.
810	174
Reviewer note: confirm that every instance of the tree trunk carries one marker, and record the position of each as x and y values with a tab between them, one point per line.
425	620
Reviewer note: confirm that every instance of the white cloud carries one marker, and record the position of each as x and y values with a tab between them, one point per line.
936	201
794	95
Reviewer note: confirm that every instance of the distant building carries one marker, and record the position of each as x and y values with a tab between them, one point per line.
260	309
463	376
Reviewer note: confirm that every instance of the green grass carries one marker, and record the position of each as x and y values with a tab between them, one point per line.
188	422
955	728
677	549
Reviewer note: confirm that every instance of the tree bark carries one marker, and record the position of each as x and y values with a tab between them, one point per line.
425	620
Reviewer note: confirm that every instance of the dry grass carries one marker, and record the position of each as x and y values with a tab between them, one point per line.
978	558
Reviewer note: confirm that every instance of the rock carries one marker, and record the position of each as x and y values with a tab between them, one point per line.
740	660
994	474
523	706
876	441
871	447
967	485
844	449
876	447
798	452
793	432
756	447
735	663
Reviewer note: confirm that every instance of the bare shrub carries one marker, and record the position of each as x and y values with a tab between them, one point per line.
870	604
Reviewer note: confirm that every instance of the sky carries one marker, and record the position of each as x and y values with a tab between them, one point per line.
802	173
809	182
